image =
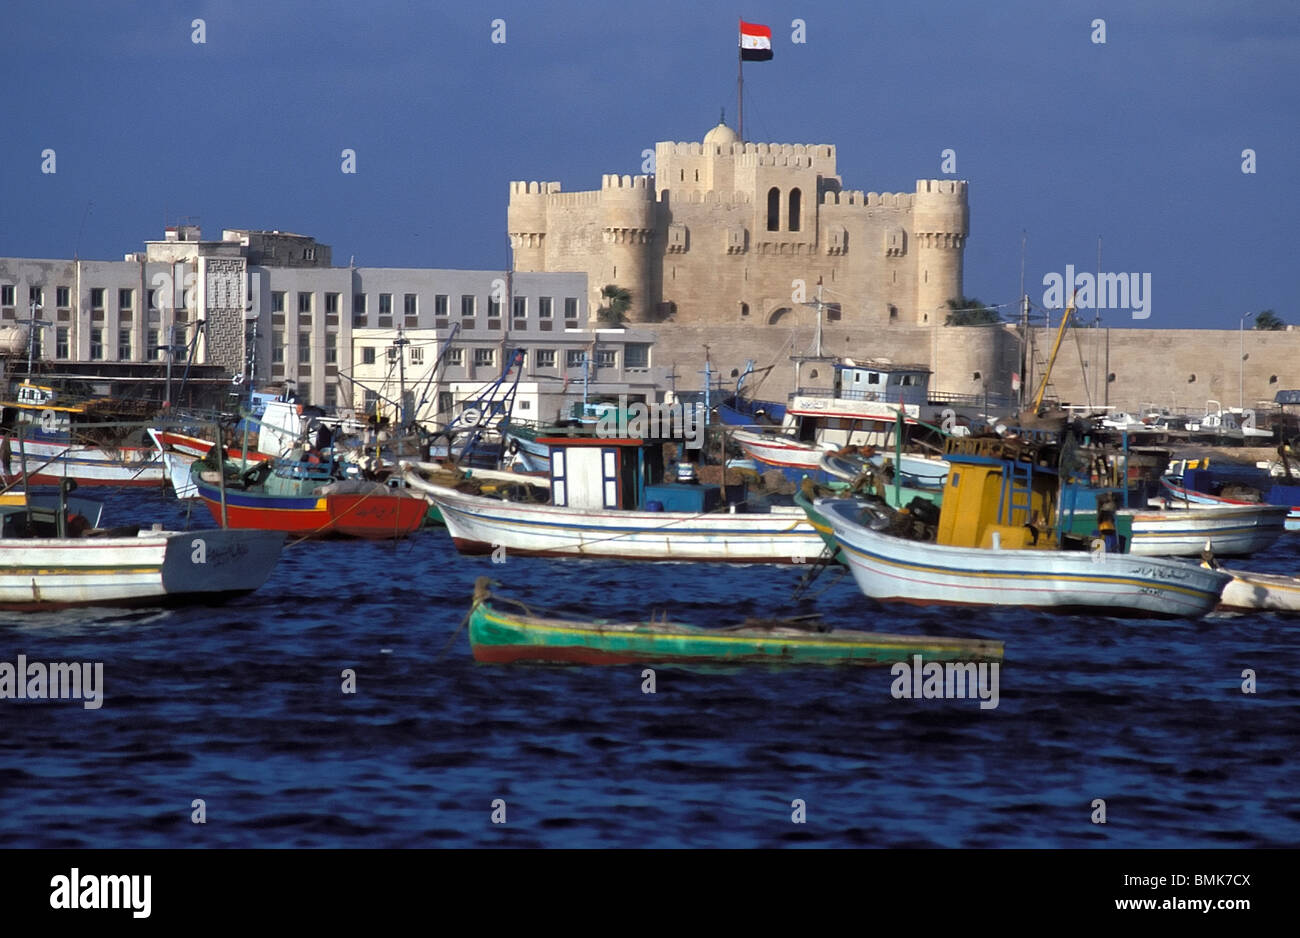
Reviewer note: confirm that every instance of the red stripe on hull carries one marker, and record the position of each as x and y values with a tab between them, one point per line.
40	478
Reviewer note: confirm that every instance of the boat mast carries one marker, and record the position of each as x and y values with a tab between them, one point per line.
401	344
1024	326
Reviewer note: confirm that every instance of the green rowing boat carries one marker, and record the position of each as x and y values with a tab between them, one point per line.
503	630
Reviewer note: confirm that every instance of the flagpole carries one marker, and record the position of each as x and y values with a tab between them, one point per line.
740	91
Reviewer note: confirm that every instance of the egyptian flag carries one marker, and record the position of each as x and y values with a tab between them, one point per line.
755	42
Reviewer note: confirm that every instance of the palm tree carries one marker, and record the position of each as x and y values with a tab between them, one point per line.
1269	321
968	311
617	302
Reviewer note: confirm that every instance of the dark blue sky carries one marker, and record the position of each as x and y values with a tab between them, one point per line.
1138	141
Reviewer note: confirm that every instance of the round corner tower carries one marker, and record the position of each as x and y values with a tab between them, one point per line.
627	220
940	224
526	223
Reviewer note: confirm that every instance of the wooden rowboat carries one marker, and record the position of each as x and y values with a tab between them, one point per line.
503	630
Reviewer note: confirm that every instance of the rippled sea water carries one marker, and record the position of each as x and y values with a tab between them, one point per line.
242	706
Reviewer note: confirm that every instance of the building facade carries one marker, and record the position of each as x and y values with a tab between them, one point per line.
440	369
729	232
264	305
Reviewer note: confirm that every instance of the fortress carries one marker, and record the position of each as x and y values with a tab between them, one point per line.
732	232
724	246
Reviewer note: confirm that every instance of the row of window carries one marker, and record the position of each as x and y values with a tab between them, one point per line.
635	355
125	343
306	302
304	348
441	305
63	297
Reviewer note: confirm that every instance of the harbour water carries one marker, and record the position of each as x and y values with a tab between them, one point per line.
242	707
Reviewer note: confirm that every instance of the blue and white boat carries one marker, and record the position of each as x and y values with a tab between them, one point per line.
1233	488
608	498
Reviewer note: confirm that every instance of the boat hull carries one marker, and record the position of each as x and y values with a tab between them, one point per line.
50	463
1178	496
500	637
153	567
895	569
794	459
1229	531
1260	592
177	466
915	471
369	516
480	525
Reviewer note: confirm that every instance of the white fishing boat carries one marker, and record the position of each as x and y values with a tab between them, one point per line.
48	437
50	557
898	569
995	542
607	499
779	451
1230	531
1180	496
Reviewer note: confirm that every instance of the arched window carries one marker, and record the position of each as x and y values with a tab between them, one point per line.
796	200
774	209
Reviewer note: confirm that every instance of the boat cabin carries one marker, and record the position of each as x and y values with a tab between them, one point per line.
862	405
881	381
39	410
624	473
998	495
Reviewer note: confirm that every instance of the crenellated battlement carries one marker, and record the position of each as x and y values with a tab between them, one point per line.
820	151
588	197
615	181
941	187
898	200
533	188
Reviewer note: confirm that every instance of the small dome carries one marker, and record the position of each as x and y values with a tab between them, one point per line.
721	135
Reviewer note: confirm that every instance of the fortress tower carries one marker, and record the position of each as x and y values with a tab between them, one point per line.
627	227
729	231
526	223
940	223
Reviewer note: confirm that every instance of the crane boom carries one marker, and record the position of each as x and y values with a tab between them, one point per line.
1056	347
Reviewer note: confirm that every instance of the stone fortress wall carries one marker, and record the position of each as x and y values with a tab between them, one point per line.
728	240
